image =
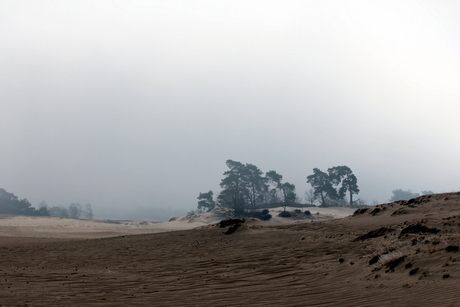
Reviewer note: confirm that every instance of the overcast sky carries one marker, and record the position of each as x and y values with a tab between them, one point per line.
140	103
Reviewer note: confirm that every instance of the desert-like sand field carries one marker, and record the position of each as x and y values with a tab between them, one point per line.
398	254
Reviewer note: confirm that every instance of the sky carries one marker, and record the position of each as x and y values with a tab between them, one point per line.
125	104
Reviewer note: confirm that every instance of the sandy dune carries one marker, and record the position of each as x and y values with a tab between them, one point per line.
55	227
398	254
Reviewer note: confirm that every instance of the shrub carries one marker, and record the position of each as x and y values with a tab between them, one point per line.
307	212
285	214
265	217
298	211
452	248
261	215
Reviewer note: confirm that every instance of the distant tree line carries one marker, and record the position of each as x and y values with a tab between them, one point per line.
73	211
400	194
245	188
11	204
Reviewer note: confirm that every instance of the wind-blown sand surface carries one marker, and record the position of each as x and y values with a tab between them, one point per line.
56	227
398	254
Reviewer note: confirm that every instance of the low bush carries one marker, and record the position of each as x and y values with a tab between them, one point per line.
261	215
285	214
307	212
265	217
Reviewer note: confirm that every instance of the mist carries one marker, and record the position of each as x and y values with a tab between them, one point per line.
138	104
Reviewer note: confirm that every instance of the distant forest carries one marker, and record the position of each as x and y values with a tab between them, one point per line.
11	204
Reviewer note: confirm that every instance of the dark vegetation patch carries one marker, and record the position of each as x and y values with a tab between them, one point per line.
376	210
409	202
360	211
399	212
285	214
452	248
307	212
373	234
416	201
261	215
392	264
418	228
231	222
232	229
412	272
374	259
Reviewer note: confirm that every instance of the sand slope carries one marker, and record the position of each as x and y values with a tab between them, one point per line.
55	227
324	263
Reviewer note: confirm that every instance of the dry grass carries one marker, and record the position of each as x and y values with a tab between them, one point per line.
391	256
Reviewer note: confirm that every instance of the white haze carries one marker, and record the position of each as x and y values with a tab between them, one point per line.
126	104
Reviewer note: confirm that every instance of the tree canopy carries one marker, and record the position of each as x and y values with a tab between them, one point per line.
343	175
331	187
206	202
286	189
245	188
322	186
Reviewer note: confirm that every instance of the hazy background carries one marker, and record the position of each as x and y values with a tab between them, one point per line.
127	104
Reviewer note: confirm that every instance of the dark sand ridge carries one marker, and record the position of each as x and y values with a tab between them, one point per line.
327	263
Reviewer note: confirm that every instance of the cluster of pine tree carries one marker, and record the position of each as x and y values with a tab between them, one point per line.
245	188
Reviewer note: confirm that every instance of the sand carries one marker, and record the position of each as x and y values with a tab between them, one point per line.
56	227
398	254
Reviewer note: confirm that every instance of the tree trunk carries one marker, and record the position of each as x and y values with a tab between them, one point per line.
285	199
322	200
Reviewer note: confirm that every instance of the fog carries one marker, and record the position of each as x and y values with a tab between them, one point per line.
127	104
